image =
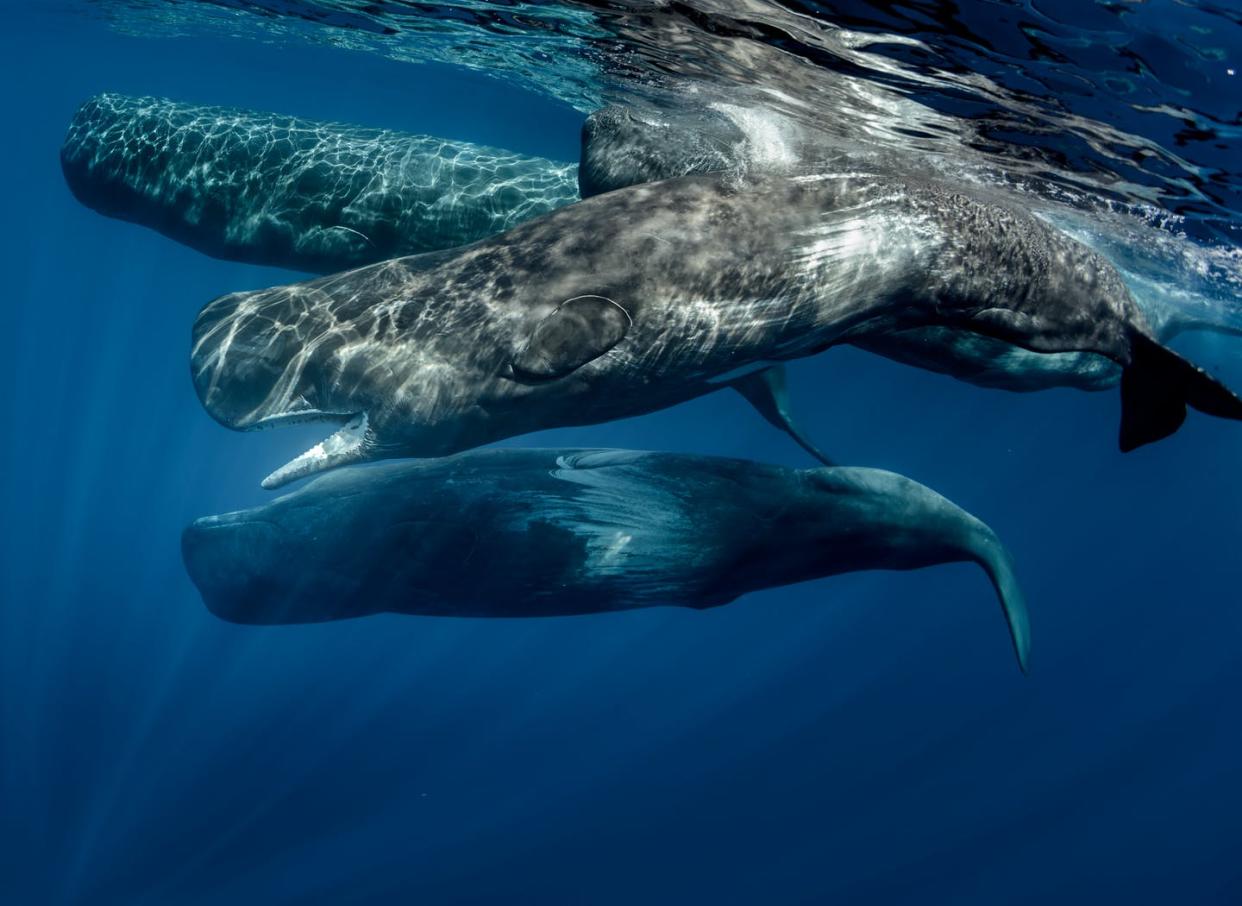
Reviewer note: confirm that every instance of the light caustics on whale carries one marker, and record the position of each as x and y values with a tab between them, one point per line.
271	189
623	147
620	147
648	296
527	533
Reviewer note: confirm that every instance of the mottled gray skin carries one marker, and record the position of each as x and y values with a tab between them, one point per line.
320	197
621	148
525	533
641	298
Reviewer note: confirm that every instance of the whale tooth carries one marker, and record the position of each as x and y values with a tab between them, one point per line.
346	445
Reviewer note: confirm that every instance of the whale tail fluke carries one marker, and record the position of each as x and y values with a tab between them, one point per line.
998	564
1156	388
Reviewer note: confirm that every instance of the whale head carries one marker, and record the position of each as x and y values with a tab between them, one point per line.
289	561
266	360
446	360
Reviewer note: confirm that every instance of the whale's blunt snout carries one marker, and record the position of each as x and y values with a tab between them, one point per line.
231	561
251	373
89	172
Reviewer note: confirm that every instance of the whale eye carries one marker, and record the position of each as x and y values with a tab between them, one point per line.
579	330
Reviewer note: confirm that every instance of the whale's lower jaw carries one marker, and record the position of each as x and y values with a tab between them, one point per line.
350	443
299	416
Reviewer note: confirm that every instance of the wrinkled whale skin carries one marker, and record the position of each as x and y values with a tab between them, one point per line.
319	197
526	533
623	147
676	288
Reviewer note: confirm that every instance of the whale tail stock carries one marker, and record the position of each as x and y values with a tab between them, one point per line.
997	562
882	520
1156	388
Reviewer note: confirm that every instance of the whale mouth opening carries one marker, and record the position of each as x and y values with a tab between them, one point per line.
298	417
347	444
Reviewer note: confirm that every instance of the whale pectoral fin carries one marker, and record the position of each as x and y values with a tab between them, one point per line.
579	330
768	392
1157	386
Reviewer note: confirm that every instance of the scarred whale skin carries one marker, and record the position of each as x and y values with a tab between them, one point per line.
644	297
319	197
526	533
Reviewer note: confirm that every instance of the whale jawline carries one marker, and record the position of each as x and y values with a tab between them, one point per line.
349	443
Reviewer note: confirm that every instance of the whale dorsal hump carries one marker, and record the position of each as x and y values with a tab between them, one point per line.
579	330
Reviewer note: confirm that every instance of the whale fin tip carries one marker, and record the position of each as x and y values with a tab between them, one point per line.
998	563
1156	388
767	390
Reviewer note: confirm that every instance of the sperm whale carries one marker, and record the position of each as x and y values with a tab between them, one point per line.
319	197
644	297
622	146
524	533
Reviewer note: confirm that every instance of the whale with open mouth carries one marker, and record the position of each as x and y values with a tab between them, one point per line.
524	533
645	297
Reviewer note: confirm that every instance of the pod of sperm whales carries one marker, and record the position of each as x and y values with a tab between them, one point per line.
623	147
648	296
319	197
525	533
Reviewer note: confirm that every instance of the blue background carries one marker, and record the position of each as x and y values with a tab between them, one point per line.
859	739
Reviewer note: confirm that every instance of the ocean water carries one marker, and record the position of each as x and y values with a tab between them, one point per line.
858	739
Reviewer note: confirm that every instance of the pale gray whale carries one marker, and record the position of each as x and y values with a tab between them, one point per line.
644	297
526	533
271	189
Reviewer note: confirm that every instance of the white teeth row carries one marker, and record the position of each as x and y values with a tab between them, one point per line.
296	418
345	445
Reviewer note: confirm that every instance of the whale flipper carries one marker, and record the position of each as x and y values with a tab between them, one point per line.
1156	388
579	330
768	392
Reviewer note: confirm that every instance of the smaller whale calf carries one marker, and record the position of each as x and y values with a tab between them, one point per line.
277	190
527	533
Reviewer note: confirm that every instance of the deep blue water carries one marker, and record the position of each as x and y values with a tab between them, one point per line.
861	739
